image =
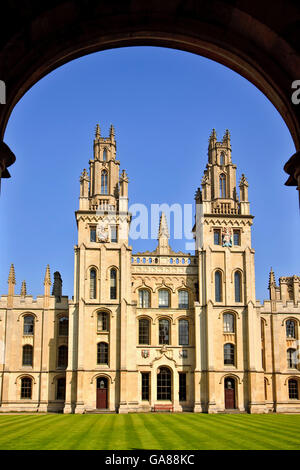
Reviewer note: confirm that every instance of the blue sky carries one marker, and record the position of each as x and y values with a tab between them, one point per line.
163	104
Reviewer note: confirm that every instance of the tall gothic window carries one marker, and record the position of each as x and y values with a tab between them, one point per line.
102	321
113	284
237	287
163	298
228	354
183	299
164	331
164	384
104	155
222	159
93	283
183	332
290	329
218	286
26	387
27	359
222	185
293	389
144	331
228	323
102	353
104	182
63	326
62	357
28	326
144	298
292	358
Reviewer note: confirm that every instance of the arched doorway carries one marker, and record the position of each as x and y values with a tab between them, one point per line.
229	392
102	393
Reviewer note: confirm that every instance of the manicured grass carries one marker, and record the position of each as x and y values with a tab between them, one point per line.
149	431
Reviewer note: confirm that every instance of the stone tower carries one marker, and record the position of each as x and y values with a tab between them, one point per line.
226	282
102	283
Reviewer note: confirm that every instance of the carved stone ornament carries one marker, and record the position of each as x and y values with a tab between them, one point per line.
227	236
145	353
102	231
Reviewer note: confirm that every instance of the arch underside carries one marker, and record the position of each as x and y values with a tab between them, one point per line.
260	46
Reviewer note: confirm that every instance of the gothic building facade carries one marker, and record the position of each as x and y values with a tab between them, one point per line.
154	331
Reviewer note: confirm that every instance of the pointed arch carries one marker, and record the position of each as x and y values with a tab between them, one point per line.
222	185
104	182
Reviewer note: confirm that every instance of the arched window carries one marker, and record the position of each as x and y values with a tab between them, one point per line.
102	353
218	286
93	283
102	321
222	159
222	185
229	354
27	356
228	323
183	299
237	286
113	284
144	331
26	387
28	326
144	298
163	298
63	326
164	384
290	329
292	358
164	331
183	332
62	361
104	155
104	182
293	389
61	389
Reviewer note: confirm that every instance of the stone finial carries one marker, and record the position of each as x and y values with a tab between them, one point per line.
272	280
243	181
11	276
226	137
112	132
198	196
97	133
84	176
23	289
124	176
163	231
47	278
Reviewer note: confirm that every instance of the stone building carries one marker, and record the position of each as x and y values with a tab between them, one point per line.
154	331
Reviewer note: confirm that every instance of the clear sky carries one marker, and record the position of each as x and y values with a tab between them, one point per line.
163	104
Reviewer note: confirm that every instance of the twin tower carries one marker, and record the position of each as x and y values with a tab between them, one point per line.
154	331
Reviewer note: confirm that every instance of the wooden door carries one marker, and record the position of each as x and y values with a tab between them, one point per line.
229	394
101	399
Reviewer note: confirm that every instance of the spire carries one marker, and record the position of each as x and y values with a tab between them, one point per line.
272	280
23	289
47	278
163	231
226	138
212	138
97	133
112	132
11	276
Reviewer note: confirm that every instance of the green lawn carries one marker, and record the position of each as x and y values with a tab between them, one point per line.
149	431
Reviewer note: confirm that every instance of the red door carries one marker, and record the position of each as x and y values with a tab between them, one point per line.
101	401
229	394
